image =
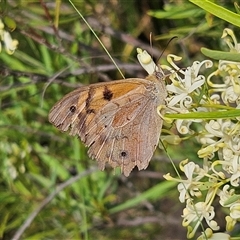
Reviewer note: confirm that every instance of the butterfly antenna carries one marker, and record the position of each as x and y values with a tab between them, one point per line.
164	48
151	46
150	39
167	46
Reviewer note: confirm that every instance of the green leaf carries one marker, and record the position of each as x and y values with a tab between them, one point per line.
218	11
219	55
158	191
180	12
206	115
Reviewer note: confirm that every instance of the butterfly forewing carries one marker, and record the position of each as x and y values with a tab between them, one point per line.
117	120
64	112
87	100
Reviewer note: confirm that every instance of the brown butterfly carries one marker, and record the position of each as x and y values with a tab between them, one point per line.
117	120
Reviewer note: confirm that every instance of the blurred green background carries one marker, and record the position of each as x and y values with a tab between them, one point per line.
57	53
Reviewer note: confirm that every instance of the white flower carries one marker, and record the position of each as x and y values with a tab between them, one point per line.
206	138
215	236
182	88
183	187
225	194
235	211
146	61
235	46
214	127
235	178
233	140
195	213
193	173
230	95
183	126
10	44
227	154
232	166
230	223
208	151
219	174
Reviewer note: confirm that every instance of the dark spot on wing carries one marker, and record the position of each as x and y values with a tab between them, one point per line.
90	110
123	154
107	94
72	109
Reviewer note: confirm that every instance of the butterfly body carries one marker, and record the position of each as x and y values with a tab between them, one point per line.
117	120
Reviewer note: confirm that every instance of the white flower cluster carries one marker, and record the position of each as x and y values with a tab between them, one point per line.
218	177
5	37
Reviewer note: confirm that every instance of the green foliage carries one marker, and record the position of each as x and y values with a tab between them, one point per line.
219	11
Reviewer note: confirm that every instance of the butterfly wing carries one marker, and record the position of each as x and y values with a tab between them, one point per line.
75	110
118	122
129	137
63	114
